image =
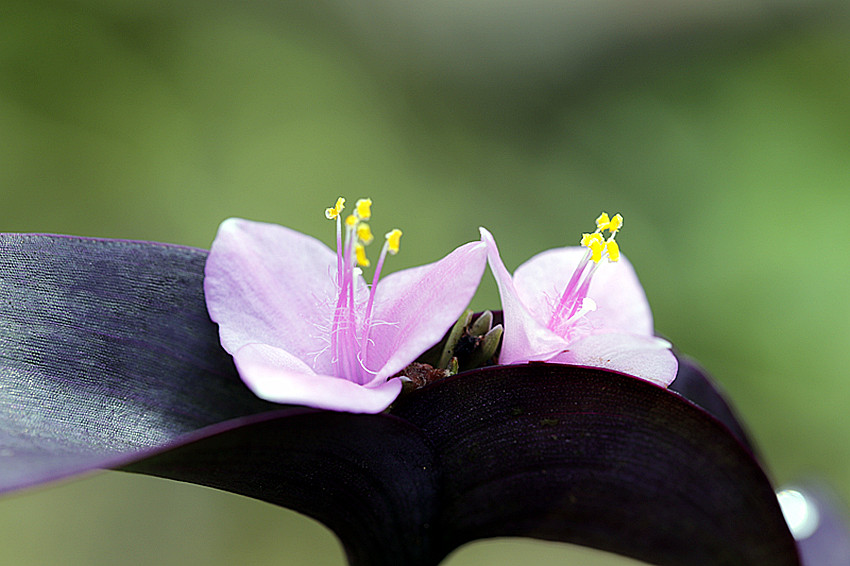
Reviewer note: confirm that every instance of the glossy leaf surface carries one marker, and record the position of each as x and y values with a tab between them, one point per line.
599	459
107	351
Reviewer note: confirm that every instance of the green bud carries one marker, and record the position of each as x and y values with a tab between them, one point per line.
482	324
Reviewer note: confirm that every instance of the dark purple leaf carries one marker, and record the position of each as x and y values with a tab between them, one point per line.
694	383
106	350
546	451
598	459
369	478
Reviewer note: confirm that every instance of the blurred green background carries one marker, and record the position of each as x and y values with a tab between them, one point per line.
721	131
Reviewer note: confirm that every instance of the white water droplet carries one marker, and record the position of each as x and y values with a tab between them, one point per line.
800	513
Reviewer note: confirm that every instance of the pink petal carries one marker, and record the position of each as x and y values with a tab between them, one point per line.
646	357
272	285
415	307
526	336
278	376
621	304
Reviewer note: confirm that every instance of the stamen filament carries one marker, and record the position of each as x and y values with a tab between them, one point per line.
378	267
351	326
338	250
367	315
569	290
391	245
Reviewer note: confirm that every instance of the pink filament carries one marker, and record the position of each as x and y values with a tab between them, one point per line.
349	350
572	295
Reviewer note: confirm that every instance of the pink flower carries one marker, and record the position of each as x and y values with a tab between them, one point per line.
303	326
566	306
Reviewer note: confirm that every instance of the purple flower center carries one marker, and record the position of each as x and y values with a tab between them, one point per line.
352	320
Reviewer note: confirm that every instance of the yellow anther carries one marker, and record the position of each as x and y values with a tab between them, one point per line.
333	213
615	224
393	240
613	249
596	248
360	255
363	209
586	239
351	221
364	233
602	222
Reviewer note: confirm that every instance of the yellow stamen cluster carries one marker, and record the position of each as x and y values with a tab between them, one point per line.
596	242
357	227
